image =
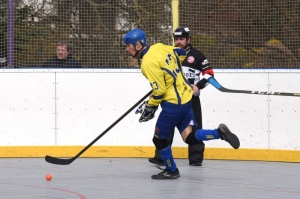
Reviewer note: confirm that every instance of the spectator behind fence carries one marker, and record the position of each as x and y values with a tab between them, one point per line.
3	60
62	59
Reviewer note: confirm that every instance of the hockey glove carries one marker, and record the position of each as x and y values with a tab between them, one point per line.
147	111
202	83
141	108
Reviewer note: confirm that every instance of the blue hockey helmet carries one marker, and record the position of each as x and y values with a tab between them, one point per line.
135	35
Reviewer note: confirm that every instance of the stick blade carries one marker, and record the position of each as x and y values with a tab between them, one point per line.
54	160
214	82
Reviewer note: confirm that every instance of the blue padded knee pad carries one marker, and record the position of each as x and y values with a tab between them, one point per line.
166	155
202	134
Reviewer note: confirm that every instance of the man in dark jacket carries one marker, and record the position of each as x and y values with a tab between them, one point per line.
62	59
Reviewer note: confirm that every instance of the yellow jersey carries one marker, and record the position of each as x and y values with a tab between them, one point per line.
161	65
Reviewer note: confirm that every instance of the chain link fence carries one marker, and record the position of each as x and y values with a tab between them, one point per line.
231	33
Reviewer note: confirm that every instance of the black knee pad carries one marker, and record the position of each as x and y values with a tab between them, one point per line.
160	143
191	139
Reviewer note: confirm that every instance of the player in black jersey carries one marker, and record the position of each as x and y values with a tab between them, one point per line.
194	65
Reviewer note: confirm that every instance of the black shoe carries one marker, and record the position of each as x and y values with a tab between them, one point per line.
225	134
156	160
166	174
195	163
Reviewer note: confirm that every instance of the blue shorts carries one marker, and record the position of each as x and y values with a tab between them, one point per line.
174	115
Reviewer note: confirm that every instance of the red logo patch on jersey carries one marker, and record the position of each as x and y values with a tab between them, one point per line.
156	130
190	59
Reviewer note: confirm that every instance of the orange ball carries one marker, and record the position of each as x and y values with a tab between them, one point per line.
48	177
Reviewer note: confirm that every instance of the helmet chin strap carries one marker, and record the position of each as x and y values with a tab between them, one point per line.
137	52
135	55
187	47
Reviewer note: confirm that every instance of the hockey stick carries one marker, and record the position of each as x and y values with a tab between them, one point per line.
60	161
216	84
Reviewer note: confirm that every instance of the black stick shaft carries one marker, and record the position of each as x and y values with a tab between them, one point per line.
113	124
54	160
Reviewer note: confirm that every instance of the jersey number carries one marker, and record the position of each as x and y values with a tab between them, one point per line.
169	58
154	85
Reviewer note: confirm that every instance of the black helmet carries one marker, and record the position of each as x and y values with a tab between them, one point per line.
182	32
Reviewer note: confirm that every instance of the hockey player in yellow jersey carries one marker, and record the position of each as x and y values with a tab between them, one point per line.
161	65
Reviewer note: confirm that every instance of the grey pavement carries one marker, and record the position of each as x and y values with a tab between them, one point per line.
129	178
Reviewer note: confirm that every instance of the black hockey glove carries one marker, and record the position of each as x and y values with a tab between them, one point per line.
147	111
202	83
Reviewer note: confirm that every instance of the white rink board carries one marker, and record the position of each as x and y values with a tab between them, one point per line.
73	106
285	112
99	99
246	115
27	109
